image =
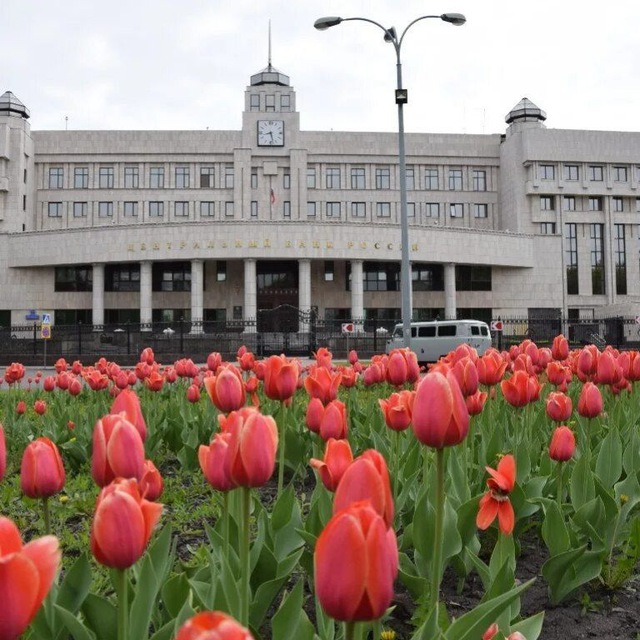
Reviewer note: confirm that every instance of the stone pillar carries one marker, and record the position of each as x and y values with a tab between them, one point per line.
450	310
357	295
146	304
304	292
250	311
197	295
97	304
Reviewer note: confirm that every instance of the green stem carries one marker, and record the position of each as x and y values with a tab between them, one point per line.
244	556
225	522
47	515
282	422
396	464
560	486
350	631
613	545
437	542
123	604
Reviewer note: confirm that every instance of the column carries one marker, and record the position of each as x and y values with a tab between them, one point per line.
145	296
250	313
357	294
97	303
197	295
450	310
304	292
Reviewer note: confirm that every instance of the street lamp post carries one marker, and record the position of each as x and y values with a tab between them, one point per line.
401	96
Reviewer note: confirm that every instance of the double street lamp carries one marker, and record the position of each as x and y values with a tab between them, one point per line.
401	96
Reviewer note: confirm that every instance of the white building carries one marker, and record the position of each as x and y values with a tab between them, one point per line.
113	226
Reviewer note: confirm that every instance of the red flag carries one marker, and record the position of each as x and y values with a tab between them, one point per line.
273	197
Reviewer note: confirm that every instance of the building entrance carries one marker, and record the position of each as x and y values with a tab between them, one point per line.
277	289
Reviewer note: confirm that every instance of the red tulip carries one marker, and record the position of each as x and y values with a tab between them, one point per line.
337	457
21	407
491	367
466	374
75	387
193	394
560	348
280	377
212	459
607	370
147	356
475	403
356	563
3	453
14	373
322	383
251	458
122	524
151	483
558	374
590	402
118	450
214	360
313	417
41	472
96	380
402	366
226	388
353	357
334	421
49	384
246	361
516	389
397	409
349	377
26	575
366	478
587	363
213	625
496	501
128	402
559	406
154	381
563	444
76	367
40	407
440	417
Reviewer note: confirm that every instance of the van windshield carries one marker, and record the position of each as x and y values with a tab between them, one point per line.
397	331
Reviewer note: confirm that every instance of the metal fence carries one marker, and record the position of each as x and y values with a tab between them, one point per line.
184	339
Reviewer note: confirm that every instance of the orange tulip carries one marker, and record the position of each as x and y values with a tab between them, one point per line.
558	374
122	524
440	417
397	409
213	625
337	457
322	383
154	381
496	501
349	377
563	444
151	483
212	459
14	373
280	377
590	402
26	575
251	457
516	389
323	357
127	401
366	478
475	403
41	472
226	388
117	450
559	406
356	563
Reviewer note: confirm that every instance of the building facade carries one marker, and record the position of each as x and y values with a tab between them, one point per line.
107	227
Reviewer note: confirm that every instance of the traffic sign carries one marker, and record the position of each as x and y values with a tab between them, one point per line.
46	331
497	325
46	318
637	319
347	327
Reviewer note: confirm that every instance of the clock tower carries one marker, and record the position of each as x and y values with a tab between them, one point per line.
270	122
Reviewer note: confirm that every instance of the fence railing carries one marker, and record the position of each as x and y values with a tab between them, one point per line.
196	339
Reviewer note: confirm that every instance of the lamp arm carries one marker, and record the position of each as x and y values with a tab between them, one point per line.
409	26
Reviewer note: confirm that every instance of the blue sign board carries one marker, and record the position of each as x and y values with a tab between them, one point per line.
32	315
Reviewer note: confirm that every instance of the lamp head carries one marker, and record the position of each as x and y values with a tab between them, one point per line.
456	19
324	23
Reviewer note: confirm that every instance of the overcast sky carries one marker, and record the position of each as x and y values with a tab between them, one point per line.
184	64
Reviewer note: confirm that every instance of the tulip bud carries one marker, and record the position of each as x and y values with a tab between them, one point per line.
41	472
151	483
337	457
213	625
563	444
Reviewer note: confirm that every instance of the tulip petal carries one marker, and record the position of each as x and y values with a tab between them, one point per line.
506	517
487	511
19	588
45	555
10	540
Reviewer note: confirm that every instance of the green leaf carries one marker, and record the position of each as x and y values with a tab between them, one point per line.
554	529
531	627
75	586
290	621
73	625
175	593
101	617
631	456
474	623
569	570
581	486
609	463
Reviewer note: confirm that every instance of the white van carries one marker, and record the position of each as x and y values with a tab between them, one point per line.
432	340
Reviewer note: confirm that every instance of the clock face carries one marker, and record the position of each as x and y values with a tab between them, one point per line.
271	133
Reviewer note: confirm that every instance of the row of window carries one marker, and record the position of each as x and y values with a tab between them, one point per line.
595	173
182	209
176	276
333	178
593	203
